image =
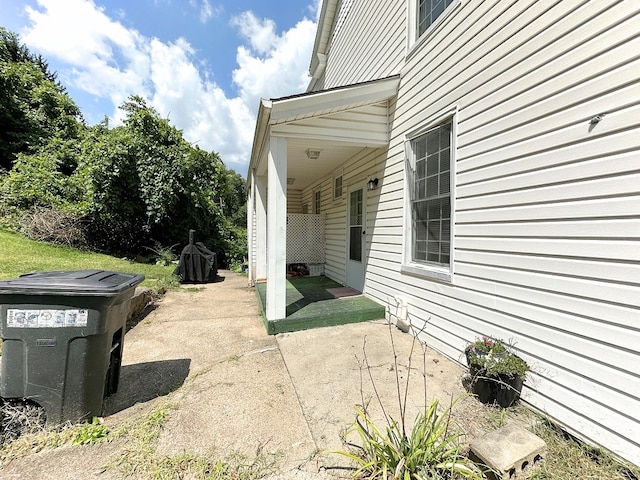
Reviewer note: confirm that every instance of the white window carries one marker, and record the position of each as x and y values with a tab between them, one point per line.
430	162
428	13
423	16
337	187
316	202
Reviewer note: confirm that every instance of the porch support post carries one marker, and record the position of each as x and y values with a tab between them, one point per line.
251	214
261	228
277	229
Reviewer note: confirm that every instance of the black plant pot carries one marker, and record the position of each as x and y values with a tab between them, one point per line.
484	388
509	388
503	390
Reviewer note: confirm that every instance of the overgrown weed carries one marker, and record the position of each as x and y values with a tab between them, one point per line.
569	458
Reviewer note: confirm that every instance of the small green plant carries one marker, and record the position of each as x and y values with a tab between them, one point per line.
90	432
430	451
164	256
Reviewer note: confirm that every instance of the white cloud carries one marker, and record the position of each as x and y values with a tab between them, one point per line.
111	61
315	9
106	59
206	10
272	65
261	34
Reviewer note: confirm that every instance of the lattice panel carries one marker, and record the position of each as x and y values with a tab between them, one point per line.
305	238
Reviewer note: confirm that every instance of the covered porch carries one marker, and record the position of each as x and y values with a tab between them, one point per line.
313	302
300	141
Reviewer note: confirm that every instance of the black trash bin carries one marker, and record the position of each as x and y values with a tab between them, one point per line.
63	336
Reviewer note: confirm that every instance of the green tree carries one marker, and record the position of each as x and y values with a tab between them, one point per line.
34	108
233	199
135	185
145	184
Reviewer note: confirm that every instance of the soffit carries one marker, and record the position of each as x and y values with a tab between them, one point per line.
339	122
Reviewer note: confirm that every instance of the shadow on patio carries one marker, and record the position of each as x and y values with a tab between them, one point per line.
311	305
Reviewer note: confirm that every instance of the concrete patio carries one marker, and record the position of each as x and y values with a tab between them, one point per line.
229	388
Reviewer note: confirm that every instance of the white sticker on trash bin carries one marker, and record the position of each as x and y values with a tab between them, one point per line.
17	318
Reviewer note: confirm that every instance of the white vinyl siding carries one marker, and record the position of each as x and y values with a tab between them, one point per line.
294	201
547	204
369	44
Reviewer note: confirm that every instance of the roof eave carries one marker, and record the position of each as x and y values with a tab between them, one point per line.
323	33
260	135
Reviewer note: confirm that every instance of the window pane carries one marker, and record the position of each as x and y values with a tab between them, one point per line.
445	159
432	164
432	185
437	10
337	187
445	208
433	142
445	180
434	209
420	149
445	136
355	244
421	168
421	191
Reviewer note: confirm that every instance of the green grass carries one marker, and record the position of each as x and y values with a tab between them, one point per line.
19	255
569	459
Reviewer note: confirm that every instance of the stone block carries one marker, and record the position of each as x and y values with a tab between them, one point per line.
509	451
141	298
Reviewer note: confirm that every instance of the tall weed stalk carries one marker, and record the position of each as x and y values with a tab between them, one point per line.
428	451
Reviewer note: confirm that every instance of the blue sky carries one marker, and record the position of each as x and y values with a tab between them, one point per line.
204	64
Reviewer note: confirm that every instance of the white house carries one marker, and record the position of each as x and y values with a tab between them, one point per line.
505	139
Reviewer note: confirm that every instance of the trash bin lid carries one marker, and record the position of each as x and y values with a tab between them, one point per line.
70	282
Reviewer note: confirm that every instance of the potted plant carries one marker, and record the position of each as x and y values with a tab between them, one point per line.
497	373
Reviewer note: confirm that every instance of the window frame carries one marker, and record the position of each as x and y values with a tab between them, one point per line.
413	38
317	201
410	266
338	176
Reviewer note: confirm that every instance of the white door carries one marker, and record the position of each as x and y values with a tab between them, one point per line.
356	237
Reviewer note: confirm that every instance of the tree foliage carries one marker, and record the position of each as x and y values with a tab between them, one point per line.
132	186
33	106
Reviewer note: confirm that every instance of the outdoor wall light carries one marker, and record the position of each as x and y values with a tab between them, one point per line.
312	154
372	184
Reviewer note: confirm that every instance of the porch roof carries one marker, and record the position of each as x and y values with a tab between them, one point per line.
338	122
